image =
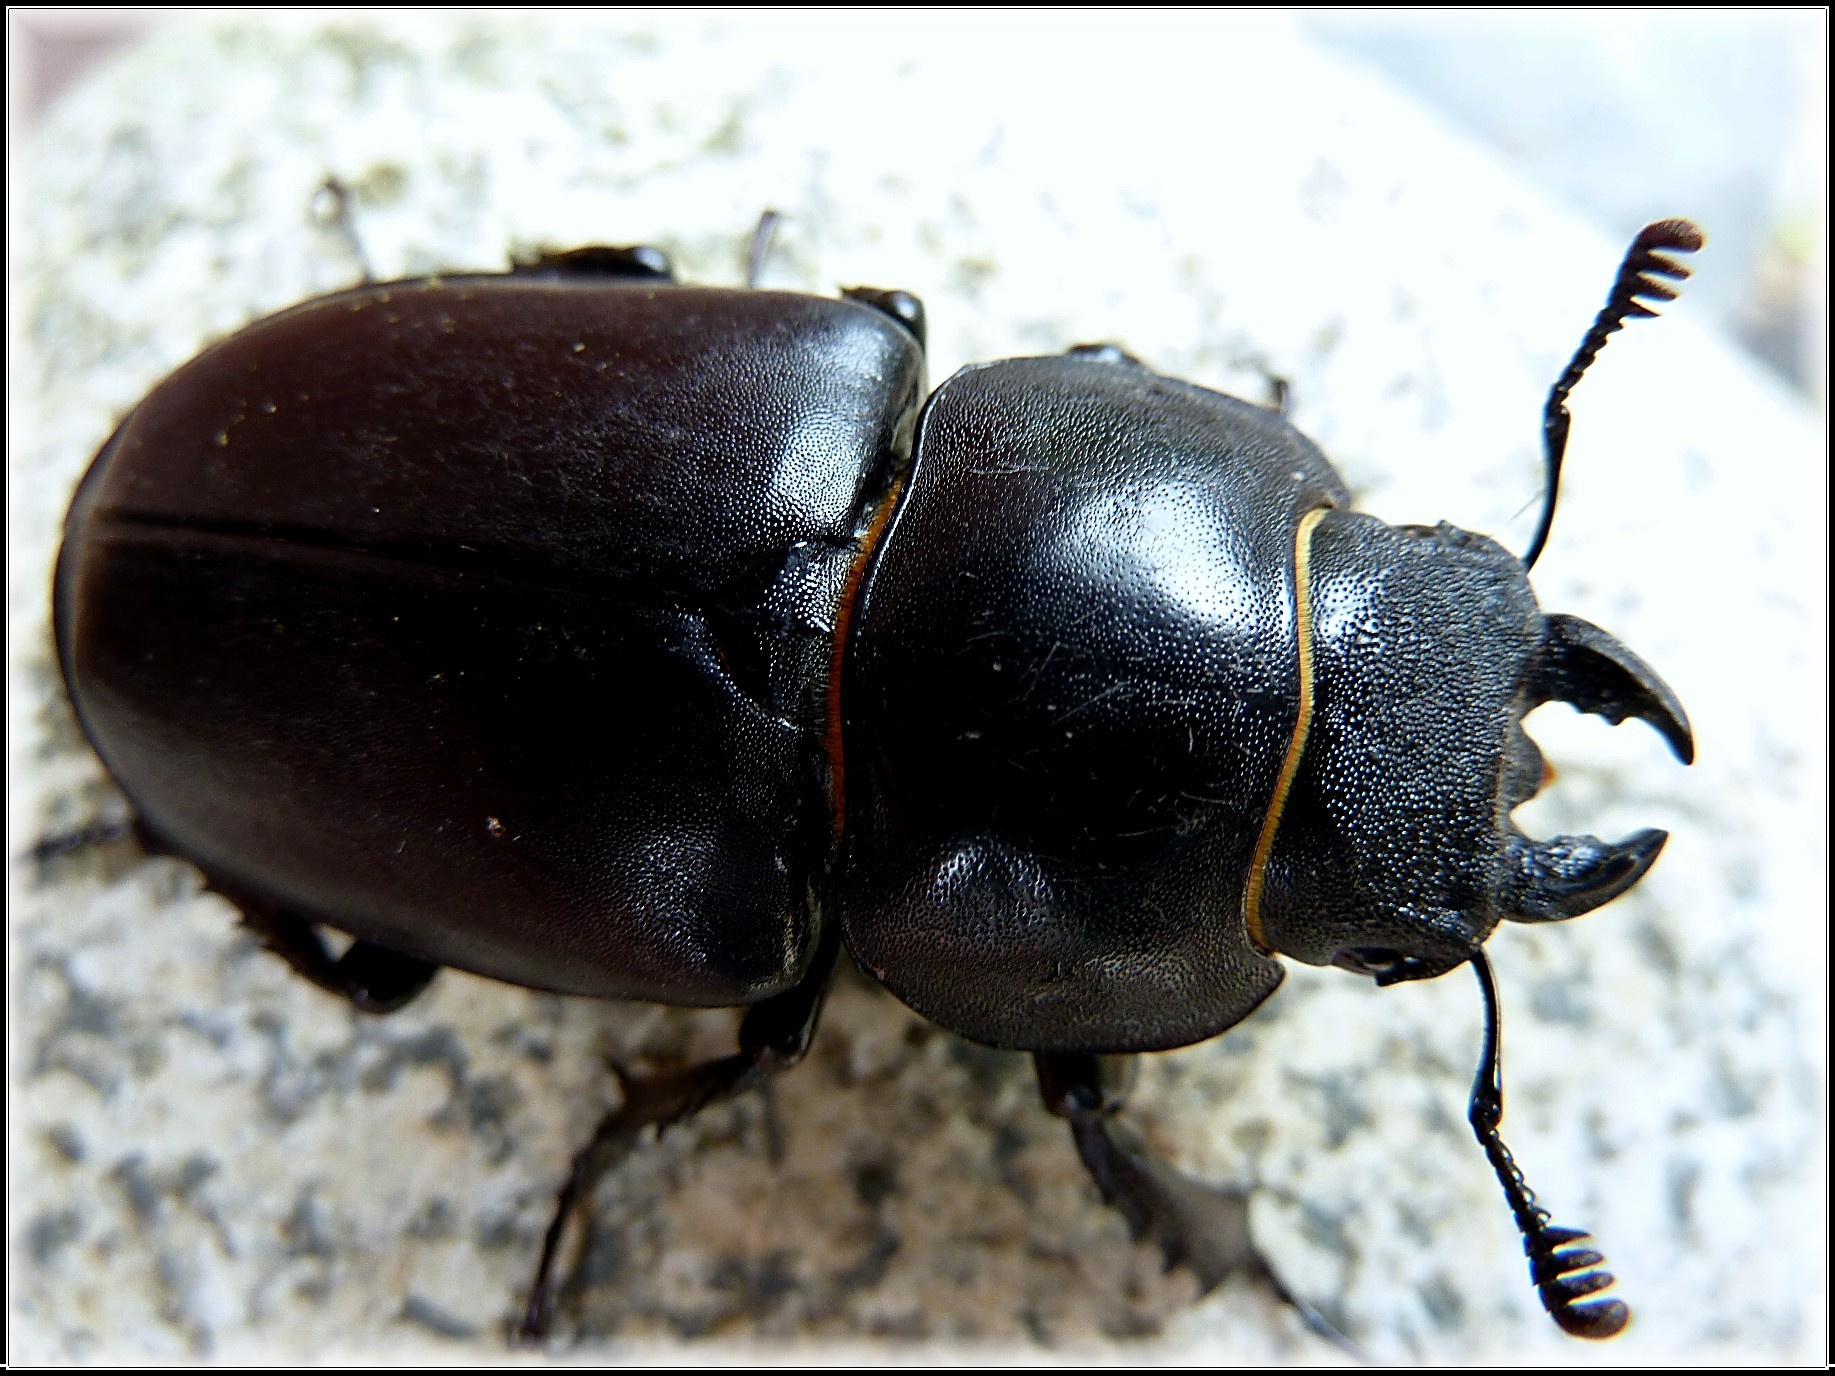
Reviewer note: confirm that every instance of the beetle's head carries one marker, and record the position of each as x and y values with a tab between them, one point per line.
1389	849
1393	852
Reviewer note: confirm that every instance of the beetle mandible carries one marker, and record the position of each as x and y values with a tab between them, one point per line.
629	639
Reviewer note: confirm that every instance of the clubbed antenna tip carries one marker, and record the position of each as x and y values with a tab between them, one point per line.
1642	274
1564	1269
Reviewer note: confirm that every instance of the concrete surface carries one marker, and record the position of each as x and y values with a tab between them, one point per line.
211	1160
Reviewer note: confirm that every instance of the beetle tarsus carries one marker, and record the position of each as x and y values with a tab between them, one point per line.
373	978
1280	395
333	205
1202	1227
773	1037
758	248
646	1101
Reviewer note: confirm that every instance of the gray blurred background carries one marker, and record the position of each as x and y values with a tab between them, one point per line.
1625	117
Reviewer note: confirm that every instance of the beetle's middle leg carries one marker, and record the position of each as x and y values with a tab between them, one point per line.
772	1038
1204	1228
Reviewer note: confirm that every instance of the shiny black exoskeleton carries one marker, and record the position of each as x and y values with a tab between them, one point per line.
627	639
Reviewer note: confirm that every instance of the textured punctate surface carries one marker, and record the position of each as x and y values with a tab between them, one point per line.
1395	833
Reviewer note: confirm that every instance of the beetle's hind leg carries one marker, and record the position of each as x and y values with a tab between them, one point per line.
772	1038
1204	1228
373	978
96	834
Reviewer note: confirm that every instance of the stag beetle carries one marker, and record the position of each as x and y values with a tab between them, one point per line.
637	640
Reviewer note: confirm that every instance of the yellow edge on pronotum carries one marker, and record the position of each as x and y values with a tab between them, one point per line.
1303	636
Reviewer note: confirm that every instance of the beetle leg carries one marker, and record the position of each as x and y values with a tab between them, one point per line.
332	206
1280	395
1202	1227
638	262
1105	352
772	1038
374	978
901	305
62	843
758	247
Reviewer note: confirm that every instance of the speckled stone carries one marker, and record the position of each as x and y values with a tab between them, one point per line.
211	1159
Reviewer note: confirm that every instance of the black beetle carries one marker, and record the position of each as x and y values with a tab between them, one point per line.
627	639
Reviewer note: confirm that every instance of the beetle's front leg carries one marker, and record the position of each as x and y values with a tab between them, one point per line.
1204	1228
772	1038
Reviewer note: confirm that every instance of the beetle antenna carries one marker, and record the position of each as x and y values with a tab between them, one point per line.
1564	1271
1639	275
